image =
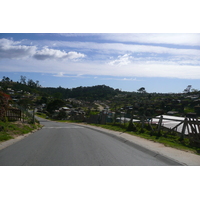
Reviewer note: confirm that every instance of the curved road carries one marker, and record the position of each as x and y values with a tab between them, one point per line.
64	144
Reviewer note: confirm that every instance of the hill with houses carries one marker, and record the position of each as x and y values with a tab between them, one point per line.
87	100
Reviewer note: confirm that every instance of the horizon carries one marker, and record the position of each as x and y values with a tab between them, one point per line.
161	63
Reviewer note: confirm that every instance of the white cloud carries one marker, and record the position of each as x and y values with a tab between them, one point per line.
47	53
139	68
122	60
10	49
117	79
62	74
120	48
59	74
133	60
190	39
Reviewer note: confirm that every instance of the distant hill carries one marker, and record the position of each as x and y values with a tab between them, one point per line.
98	92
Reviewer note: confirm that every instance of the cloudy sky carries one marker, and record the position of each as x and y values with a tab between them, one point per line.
159	62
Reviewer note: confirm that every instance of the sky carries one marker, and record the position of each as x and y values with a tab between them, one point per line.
157	61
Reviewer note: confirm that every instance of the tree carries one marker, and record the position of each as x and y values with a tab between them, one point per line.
62	114
37	84
43	99
55	105
4	104
31	83
23	80
6	79
58	95
142	90
195	91
187	90
25	103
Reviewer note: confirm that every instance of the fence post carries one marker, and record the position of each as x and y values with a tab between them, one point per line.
160	123
184	128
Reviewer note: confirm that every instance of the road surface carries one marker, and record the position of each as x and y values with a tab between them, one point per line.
64	144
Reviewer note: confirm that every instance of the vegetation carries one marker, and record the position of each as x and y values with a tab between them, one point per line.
99	92
55	105
9	130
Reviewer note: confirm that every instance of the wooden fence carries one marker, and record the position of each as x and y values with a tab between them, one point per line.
185	127
13	114
190	127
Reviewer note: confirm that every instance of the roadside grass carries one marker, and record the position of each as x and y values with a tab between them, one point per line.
42	115
10	130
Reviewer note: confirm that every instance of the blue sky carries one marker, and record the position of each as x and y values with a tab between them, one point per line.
157	61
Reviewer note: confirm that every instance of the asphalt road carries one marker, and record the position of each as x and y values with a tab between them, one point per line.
63	144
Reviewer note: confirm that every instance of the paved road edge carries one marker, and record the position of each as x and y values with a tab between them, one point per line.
17	139
119	136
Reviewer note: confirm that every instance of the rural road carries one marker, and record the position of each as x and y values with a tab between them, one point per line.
65	144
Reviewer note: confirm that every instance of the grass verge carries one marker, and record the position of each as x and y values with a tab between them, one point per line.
10	130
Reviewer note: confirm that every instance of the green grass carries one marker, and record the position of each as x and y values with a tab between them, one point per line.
188	110
42	115
114	127
4	137
9	130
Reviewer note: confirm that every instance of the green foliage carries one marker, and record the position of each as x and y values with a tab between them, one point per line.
131	127
42	115
61	115
57	95
99	92
5	136
142	90
55	105
9	129
25	103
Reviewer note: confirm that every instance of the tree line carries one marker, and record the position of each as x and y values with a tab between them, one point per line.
98	92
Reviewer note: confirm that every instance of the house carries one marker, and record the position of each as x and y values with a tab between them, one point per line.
66	109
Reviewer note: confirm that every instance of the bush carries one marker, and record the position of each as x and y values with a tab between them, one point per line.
61	115
131	127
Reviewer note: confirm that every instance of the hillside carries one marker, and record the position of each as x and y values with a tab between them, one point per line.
98	92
